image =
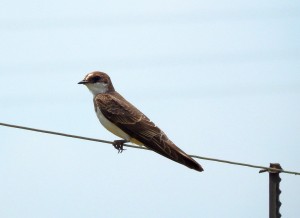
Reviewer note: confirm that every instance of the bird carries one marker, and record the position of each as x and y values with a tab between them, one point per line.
124	120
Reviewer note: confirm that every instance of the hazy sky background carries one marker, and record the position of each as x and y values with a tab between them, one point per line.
221	78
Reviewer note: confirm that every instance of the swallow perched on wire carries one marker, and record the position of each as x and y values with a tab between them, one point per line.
123	119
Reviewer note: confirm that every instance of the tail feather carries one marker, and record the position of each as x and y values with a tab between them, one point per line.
174	153
191	163
182	158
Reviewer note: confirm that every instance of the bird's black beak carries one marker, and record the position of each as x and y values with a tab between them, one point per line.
83	82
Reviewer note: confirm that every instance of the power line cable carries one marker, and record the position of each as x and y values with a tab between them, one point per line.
133	146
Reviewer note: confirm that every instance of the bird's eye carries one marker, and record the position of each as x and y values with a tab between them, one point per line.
96	79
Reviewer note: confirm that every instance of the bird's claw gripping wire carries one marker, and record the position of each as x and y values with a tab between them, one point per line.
118	144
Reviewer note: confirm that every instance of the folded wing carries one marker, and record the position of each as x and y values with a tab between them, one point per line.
133	122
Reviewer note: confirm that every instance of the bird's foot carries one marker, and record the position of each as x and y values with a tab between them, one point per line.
118	144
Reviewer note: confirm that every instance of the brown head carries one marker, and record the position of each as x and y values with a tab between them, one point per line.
98	82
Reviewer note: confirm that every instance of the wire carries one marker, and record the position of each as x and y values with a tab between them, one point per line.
133	146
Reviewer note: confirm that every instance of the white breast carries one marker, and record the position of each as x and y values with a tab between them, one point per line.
110	126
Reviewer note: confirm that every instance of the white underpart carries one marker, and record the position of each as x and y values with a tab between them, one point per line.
111	127
97	88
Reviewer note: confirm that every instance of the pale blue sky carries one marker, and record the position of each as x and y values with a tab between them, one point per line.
221	78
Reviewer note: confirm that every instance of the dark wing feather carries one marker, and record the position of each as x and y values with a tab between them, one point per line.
128	118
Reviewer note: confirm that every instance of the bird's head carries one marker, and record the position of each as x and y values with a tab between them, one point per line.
98	82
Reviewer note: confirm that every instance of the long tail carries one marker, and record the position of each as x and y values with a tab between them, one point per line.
181	157
191	163
169	150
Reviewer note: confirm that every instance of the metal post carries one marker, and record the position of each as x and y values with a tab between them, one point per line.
274	191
